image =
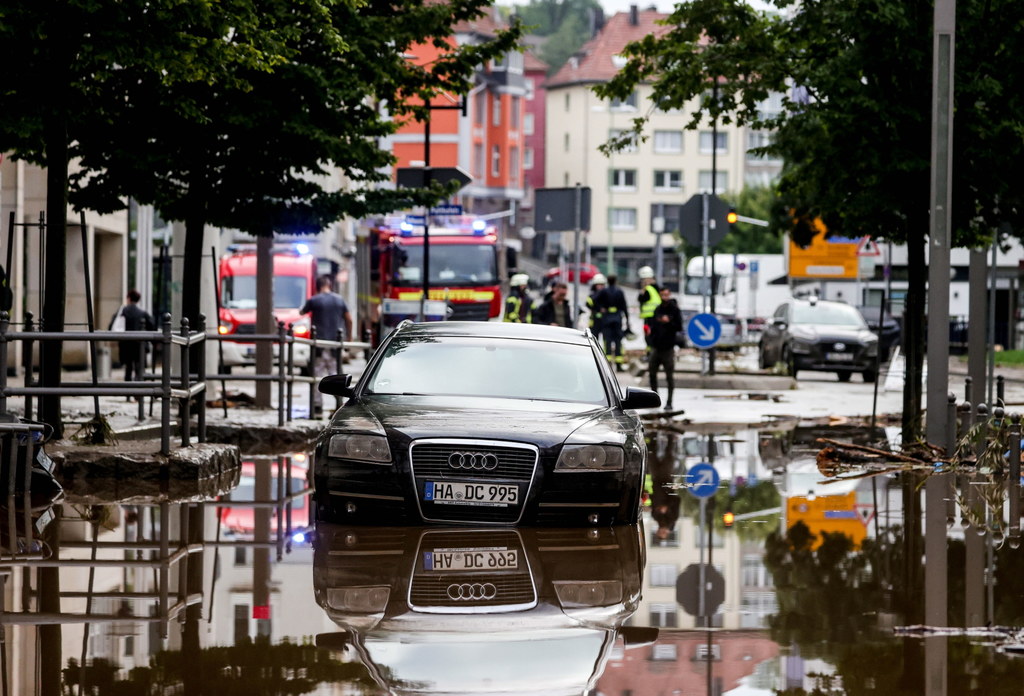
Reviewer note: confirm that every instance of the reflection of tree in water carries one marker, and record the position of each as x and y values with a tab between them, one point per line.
763	495
247	669
832	601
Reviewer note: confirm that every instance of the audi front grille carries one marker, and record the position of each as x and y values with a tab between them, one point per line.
468	592
473	459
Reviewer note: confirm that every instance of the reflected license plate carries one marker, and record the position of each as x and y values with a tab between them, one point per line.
471	559
839	357
457	493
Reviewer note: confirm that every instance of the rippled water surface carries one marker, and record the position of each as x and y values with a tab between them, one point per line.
896	579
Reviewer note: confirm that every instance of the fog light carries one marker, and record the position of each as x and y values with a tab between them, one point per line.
350	508
594	518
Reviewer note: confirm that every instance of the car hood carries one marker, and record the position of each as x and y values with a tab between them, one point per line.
543	423
832	333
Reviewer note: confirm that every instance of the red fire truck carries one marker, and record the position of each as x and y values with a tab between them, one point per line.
467	267
295	272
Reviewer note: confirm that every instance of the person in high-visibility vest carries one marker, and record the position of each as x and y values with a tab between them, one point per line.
519	304
649	300
596	311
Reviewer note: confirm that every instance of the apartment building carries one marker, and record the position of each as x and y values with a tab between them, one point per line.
636	193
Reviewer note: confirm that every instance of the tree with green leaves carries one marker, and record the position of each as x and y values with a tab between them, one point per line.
854	133
567	24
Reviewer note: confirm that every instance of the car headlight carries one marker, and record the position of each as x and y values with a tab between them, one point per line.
590	458
596	593
800	346
363	448
361	600
872	349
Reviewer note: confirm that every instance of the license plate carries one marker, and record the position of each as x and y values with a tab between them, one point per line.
471	559
458	493
839	357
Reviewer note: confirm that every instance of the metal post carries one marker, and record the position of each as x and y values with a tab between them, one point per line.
1013	484
290	386
165	520
201	377
312	370
165	385
704	244
27	348
578	206
1000	391
281	342
185	408
5	322
950	450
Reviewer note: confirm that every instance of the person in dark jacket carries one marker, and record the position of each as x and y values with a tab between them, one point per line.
613	302
665	324
555	310
135	319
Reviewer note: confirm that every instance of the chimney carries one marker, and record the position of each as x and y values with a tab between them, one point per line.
634	15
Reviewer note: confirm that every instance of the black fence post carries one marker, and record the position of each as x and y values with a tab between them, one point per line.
201	377
281	342
165	385
185	407
314	382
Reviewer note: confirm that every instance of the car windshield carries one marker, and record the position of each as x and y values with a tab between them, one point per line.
829	314
491	367
454	264
239	292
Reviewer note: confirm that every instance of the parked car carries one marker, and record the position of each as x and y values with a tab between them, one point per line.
587	273
891	328
483	423
820	336
531	612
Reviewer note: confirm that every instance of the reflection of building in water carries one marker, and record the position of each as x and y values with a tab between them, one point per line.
678	663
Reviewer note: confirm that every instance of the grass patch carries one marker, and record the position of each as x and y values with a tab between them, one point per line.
1005	358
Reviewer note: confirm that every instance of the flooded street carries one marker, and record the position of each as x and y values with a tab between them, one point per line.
895	580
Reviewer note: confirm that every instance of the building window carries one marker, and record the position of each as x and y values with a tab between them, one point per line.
478	159
495	161
496	110
516	105
622	179
567	101
528	158
627	104
566	142
513	166
668	141
663	615
531	87
528	124
668	180
704	181
479	108
241	623
721	141
622	218
615	133
663	575
239	555
665	652
757	139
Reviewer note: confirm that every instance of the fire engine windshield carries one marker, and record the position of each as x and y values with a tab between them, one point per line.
239	292
450	264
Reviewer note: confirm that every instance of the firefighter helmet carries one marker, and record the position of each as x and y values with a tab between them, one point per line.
599	279
645	272
519	280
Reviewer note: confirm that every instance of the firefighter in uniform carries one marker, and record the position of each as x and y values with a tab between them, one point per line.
649	300
519	305
594	308
613	302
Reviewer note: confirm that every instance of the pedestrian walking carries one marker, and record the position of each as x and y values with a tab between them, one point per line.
665	324
328	313
616	312
519	305
649	299
556	310
131	317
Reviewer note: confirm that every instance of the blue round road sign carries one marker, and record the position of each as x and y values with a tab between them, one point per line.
704	330
702	480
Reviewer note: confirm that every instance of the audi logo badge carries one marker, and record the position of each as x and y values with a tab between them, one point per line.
467	591
840	346
476	461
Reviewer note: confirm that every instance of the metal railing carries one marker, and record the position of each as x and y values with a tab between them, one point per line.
178	386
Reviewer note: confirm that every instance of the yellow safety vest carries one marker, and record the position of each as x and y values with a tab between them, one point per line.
650	304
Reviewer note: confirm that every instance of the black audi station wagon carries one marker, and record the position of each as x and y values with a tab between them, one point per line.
486	424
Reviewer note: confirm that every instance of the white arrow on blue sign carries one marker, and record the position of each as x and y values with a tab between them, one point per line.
702	480
704	330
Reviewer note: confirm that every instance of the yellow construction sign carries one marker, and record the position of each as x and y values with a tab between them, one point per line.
836	258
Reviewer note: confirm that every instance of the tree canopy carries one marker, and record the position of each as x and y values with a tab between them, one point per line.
854	130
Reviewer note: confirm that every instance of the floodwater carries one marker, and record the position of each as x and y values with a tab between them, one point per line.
905	581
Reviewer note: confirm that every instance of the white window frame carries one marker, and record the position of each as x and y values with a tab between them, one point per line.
528	123
722	142
704	181
531	88
627	104
496	110
662	147
615	132
513	165
622	180
495	160
666	185
528	158
622	218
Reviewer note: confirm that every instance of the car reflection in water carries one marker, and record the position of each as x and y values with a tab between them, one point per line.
482	610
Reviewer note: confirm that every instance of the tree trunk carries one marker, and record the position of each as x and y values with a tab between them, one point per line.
914	330
53	287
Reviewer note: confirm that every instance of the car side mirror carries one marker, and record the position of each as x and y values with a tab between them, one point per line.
780	323
637	397
639	636
336	385
338	642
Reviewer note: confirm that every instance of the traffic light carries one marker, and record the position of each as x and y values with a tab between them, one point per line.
728	518
732	217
